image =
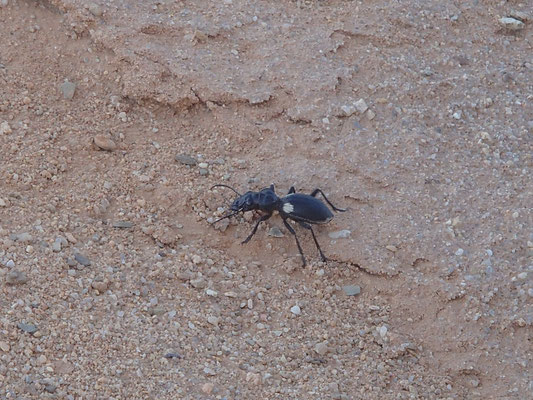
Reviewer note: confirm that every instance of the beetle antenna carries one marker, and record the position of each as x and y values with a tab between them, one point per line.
226	186
225	216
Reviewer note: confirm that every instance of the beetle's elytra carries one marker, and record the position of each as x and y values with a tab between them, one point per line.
305	209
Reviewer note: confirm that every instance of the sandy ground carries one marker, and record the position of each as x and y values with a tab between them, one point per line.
116	117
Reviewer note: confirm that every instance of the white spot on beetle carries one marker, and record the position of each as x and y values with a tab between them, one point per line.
288	208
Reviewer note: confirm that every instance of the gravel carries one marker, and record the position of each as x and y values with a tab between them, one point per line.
404	168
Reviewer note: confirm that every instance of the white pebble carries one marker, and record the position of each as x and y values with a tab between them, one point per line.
459	252
361	105
340	234
511	23
5	128
383	331
522	276
296	310
348	110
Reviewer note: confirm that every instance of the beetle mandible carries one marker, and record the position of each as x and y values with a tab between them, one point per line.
305	209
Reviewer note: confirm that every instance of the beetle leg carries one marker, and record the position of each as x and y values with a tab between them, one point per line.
292	190
291	230
307	226
263	218
316	191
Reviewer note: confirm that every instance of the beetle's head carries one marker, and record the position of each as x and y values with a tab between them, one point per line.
244	203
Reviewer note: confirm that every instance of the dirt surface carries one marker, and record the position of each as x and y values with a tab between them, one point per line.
116	117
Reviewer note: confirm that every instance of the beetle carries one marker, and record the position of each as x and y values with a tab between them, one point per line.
305	209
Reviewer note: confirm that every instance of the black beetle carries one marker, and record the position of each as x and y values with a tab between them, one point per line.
305	209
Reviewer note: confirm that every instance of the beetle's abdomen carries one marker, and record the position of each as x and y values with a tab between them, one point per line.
303	207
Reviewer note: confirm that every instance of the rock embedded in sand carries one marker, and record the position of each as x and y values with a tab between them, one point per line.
186	159
68	89
104	142
511	23
16	277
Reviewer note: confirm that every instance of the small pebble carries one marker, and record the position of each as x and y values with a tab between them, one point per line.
340	234
296	310
122	224
196	259
185	159
101	286
208	387
5	128
348	110
321	348
50	388
211	293
104	142
81	259
22	237
16	277
459	252
28	328
95	10
4	346
361	105
511	23
383	331
199	283
522	276
203	165
253	378
351	290
68	89
275	232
